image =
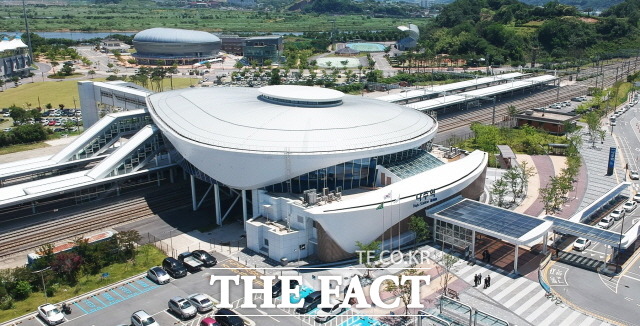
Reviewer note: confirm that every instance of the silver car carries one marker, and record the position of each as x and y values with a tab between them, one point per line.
202	302
182	307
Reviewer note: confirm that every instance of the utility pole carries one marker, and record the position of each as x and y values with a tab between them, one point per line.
26	25
493	115
44	287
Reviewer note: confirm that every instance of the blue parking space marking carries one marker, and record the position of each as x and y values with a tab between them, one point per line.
114	296
79	306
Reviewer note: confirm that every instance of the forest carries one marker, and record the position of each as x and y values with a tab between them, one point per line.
511	32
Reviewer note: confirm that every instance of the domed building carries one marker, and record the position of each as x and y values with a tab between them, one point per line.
317	165
171	45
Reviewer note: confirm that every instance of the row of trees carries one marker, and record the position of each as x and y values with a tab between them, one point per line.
514	181
65	268
555	193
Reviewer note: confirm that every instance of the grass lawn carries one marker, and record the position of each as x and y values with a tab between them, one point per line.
21	147
147	256
63	92
58	92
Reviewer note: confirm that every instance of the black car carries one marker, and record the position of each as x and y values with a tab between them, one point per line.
205	258
310	302
276	289
174	267
227	317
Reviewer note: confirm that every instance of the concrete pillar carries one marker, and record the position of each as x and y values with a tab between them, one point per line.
515	261
544	243
435	225
473	245
33	207
255	203
244	209
193	194
216	192
171	175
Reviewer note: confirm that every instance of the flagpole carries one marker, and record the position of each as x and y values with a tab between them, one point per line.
399	220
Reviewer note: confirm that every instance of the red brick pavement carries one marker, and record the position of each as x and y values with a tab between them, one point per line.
545	170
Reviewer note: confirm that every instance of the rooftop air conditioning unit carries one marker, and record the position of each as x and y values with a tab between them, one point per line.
528	112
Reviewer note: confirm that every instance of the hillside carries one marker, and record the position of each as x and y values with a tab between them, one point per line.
597	5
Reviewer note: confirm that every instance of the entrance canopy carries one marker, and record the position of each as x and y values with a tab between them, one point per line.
516	228
587	231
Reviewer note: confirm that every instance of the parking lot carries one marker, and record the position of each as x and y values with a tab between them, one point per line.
114	305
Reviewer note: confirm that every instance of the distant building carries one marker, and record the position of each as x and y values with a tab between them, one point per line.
261	48
170	45
232	43
552	122
111	45
242	3
411	41
14	58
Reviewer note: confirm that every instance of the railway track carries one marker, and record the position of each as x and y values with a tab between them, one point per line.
80	224
524	102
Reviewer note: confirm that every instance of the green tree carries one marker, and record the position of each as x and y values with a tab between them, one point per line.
18	114
368	251
418	225
238	65
402	290
68	265
512	178
526	172
91	73
499	191
275	77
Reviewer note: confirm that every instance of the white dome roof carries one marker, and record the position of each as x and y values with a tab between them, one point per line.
236	118
243	140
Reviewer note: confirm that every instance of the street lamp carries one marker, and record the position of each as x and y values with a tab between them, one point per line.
44	287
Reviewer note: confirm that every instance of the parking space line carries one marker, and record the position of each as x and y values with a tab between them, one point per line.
96	297
77	305
118	294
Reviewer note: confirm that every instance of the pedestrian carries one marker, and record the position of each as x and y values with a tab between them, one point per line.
479	279
488	257
484	255
488	281
475	280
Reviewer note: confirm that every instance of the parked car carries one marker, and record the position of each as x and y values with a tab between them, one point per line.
158	275
634	175
326	314
228	317
50	314
606	222
613	123
310	302
581	244
276	289
202	302
142	318
618	213
636	197
175	268
182	307
191	263
209	322
630	205
7	129
206	258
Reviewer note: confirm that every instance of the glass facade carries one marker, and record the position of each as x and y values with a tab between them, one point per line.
347	175
453	235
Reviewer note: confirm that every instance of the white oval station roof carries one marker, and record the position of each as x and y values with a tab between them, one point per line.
236	118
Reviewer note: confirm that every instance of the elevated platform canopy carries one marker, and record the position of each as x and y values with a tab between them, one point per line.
453	87
593	208
587	231
516	228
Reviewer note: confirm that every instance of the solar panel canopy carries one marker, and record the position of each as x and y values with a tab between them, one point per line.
495	219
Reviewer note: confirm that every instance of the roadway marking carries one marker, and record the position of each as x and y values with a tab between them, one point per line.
264	313
633	278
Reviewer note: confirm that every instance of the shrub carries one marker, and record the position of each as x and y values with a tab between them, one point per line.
6	303
22	290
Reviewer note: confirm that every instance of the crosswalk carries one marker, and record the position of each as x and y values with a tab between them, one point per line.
579	260
524	297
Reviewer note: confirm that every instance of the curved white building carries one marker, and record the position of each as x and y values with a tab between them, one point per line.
321	165
411	41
